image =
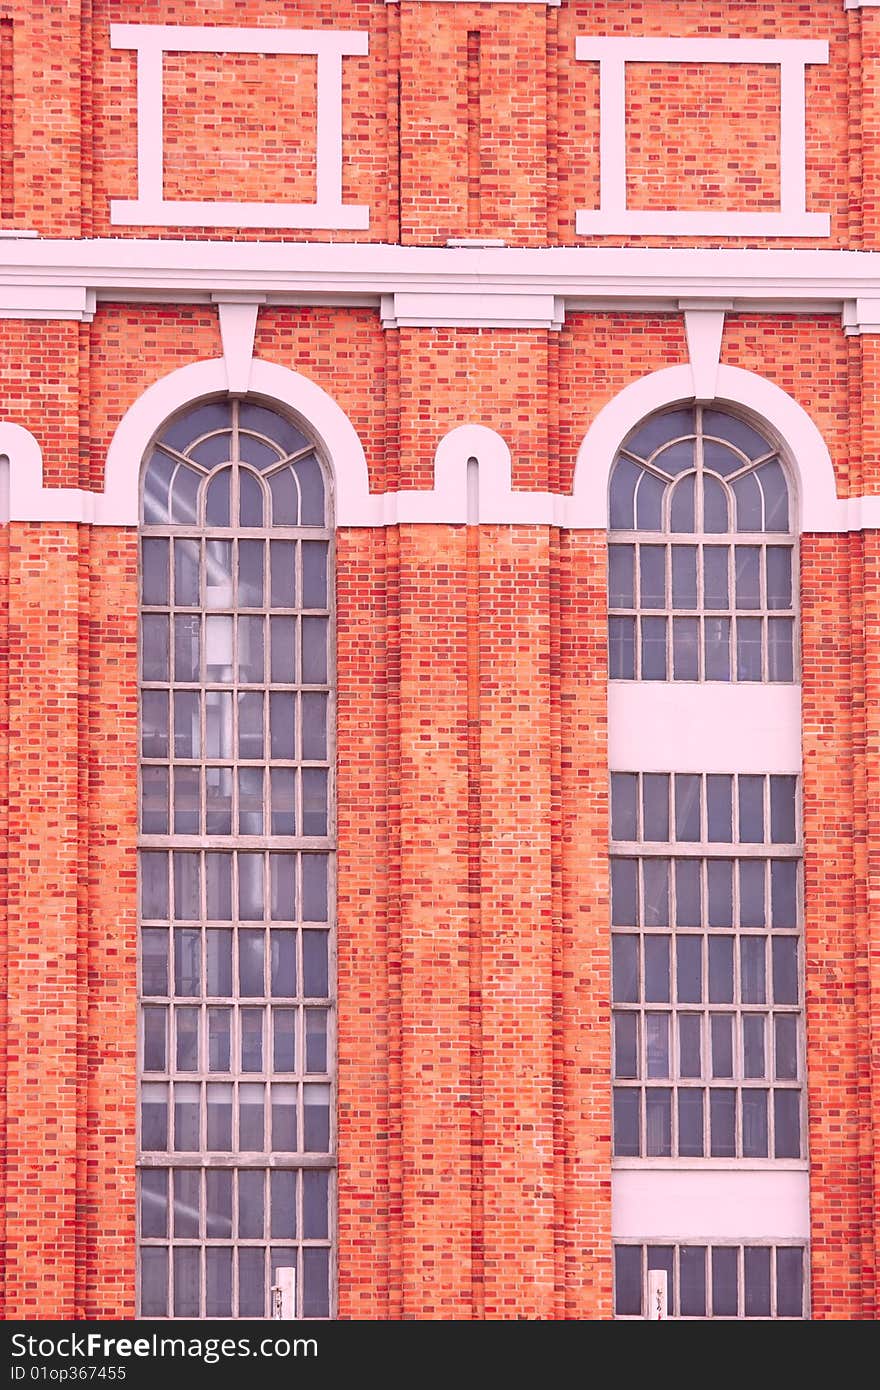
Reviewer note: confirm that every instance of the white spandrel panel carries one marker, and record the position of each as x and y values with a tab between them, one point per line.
676	726
687	1203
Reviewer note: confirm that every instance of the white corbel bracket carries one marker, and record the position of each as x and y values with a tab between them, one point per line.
238	326
860	316
405	309
21	301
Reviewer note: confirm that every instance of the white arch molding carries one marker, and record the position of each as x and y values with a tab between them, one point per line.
820	509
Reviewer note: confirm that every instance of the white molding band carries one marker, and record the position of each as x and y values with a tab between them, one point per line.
551	4
613	217
518	309
135	269
673	726
151	208
586	508
76	302
689	1202
861	4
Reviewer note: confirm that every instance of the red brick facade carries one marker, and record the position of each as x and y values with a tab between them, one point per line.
473	1007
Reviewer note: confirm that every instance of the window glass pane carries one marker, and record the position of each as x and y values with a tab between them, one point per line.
689	969
715	510
218	1282
316	1204
692	1276
780	649
217	508
282	561
720	970
218	648
749	512
753	983
687	893
751	809
655	900
314	724
250	801
658	1121
154	1202
311	483
187	962
285	498
624	971
283	784
283	639
690	1122
725	1262
314	651
657	969
624	477
626	1046
721	1029
218	724
785	970
250	887
314	800
316	1282
682	507
250	500
621	649
314	574
782	810
283	964
251	649
251	1198
775	490
250	574
251	1039
753	1046
624	795
649	503
690	1045
720	879
626	1121
154	724
283	1203
187	1282
315	965
722	1122
658	430
779	591
282	886
186	1117
716	591
748	648
747	564
754	1123
752	878
219	1116
251	1282
624	892
156	481
684	576
251	1136
218	877
282	725
716	637
154	800
250	725
786	1124
685	649
655	809
154	961
284	1119
653	649
687	806
219	951
219	1039
154	1116
652	576
757	1281
251	978
154	1281
187	628
218	574
789	1282
284	1035
218	800
657	1046
186	1024
786	1047
187	733
154	647
736	432
719	799
621	592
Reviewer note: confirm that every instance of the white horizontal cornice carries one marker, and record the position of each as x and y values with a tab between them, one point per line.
482	286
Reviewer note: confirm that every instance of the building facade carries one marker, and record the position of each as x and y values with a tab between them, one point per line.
439	675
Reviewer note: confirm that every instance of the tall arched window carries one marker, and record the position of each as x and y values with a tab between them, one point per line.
236	837
703	556
705	866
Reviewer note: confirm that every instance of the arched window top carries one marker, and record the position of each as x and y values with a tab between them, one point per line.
699	471
233	464
702	565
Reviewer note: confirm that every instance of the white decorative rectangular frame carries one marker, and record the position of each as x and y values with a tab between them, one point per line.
612	217
151	208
